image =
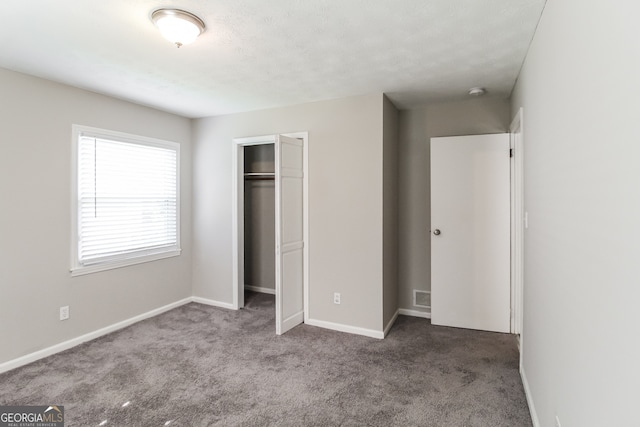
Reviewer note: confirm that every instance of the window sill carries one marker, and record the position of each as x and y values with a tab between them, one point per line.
110	265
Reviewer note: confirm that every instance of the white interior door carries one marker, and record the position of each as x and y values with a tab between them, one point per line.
470	232
289	233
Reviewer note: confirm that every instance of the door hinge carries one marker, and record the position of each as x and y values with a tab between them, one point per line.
510	152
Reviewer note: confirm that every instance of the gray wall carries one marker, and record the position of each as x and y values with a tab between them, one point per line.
345	203
35	229
390	210
260	219
471	117
579	88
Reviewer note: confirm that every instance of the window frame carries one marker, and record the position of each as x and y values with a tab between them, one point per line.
77	267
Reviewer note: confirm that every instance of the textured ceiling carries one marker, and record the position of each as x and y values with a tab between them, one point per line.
257	54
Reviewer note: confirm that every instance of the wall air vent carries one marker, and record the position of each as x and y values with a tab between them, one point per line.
421	299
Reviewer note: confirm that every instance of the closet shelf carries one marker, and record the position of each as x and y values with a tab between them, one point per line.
259	175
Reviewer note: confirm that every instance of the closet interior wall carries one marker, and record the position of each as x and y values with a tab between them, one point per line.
259	218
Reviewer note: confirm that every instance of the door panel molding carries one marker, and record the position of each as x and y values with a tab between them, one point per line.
289	232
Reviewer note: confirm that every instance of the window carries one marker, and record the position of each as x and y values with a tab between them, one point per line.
126	206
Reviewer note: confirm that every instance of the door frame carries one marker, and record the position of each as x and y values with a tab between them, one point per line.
517	223
237	217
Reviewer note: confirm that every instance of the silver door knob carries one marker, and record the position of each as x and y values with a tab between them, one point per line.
436	232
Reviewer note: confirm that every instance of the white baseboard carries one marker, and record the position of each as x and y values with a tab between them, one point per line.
527	393
346	328
414	313
32	357
57	348
260	289
391	322
213	303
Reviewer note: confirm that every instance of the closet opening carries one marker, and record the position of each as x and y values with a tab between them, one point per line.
259	219
270	223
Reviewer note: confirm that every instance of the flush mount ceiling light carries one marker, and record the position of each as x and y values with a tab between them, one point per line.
178	26
477	91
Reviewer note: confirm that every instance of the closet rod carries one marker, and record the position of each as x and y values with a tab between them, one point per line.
260	175
259	178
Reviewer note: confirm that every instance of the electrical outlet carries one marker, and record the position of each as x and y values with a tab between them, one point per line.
64	312
336	298
558	422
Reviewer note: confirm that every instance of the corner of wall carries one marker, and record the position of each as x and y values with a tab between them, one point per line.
390	158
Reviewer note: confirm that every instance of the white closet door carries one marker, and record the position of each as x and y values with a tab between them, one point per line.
470	226
289	233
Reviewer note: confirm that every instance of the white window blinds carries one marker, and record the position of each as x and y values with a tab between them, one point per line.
127	199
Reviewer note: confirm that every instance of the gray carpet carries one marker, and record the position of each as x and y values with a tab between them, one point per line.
199	366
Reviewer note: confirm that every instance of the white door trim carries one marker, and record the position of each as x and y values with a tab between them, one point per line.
517	223
237	218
